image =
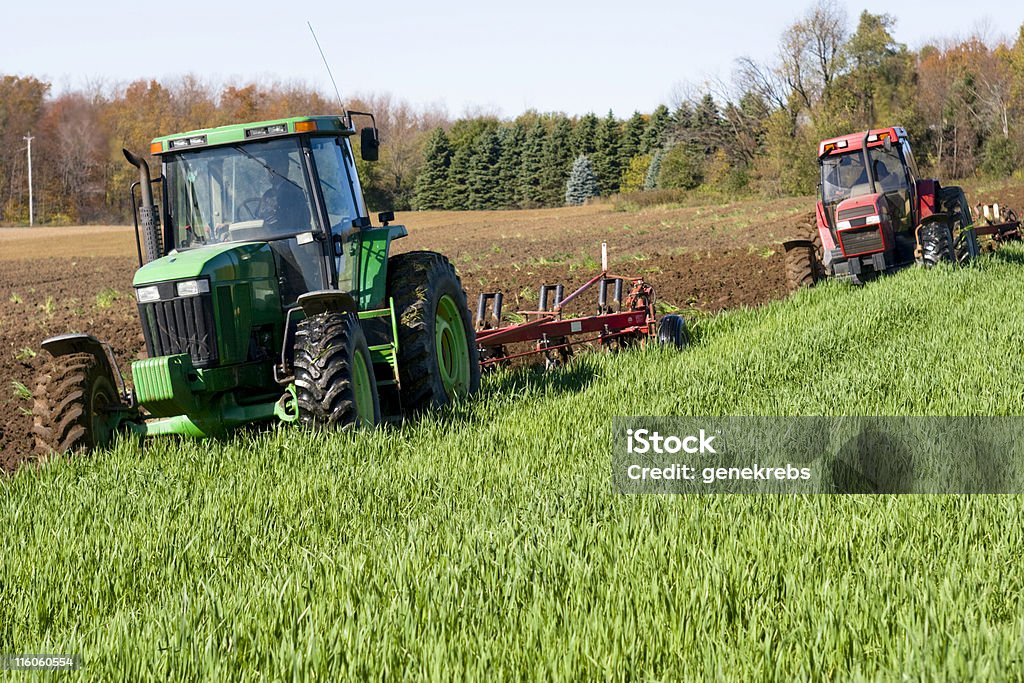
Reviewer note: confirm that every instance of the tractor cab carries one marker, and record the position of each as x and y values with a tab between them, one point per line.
868	199
300	194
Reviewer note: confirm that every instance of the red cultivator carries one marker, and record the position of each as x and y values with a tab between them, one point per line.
629	319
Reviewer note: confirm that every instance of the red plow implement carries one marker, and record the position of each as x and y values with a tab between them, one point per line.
626	319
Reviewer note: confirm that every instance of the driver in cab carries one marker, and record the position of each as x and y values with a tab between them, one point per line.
283	207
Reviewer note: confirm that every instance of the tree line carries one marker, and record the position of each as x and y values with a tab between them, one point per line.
962	100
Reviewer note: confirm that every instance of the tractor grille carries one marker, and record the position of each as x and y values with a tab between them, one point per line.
861	240
856	212
181	325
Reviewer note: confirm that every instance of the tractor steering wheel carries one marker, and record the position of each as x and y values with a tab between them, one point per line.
252	205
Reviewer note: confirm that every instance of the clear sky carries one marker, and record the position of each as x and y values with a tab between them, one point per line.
550	55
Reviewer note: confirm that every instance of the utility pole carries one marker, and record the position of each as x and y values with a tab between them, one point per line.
31	216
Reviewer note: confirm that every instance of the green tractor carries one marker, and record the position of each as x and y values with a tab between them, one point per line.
264	293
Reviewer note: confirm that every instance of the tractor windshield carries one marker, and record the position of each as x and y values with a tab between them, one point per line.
844	176
244	192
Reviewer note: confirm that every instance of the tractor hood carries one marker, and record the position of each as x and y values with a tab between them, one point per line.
218	303
227	262
863	225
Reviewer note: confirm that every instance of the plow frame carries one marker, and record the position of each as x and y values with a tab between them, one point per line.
630	317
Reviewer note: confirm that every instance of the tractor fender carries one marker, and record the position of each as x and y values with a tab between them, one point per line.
65	344
311	304
326	301
797	244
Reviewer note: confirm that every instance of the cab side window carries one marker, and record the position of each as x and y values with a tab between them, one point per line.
334	184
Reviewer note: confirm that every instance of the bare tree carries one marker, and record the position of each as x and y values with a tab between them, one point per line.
811	51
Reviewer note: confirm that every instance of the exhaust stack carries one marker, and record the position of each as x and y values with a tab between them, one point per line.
148	218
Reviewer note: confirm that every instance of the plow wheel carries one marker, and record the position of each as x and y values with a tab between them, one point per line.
438	359
334	380
672	332
76	405
803	257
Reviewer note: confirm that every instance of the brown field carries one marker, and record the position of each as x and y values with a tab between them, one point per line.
707	258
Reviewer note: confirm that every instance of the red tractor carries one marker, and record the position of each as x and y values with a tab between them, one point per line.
876	214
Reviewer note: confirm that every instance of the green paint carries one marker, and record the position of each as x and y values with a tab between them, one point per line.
451	348
163	385
363	390
374	247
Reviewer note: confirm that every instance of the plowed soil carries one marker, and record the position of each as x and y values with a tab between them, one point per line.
706	258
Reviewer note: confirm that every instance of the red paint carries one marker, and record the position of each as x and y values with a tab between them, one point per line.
927	198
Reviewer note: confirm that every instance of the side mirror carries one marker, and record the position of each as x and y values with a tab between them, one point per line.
386	217
369	144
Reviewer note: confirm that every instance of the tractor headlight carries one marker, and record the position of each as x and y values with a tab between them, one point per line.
843	225
147	294
193	287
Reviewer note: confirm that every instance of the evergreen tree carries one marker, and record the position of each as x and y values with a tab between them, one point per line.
582	184
457	194
682	119
584	135
483	171
432	181
509	161
657	129
531	193
654	170
632	139
606	157
557	162
707	122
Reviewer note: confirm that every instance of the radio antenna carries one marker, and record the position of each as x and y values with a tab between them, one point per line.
328	66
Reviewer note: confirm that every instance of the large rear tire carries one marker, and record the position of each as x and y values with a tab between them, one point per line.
936	240
334	381
438	359
75	408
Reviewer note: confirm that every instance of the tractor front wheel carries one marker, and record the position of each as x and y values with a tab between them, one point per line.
334	380
438	360
76	405
804	267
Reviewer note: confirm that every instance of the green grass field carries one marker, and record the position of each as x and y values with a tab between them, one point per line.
487	542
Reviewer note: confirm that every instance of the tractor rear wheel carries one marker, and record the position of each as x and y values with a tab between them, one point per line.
672	332
936	240
438	360
75	405
334	381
